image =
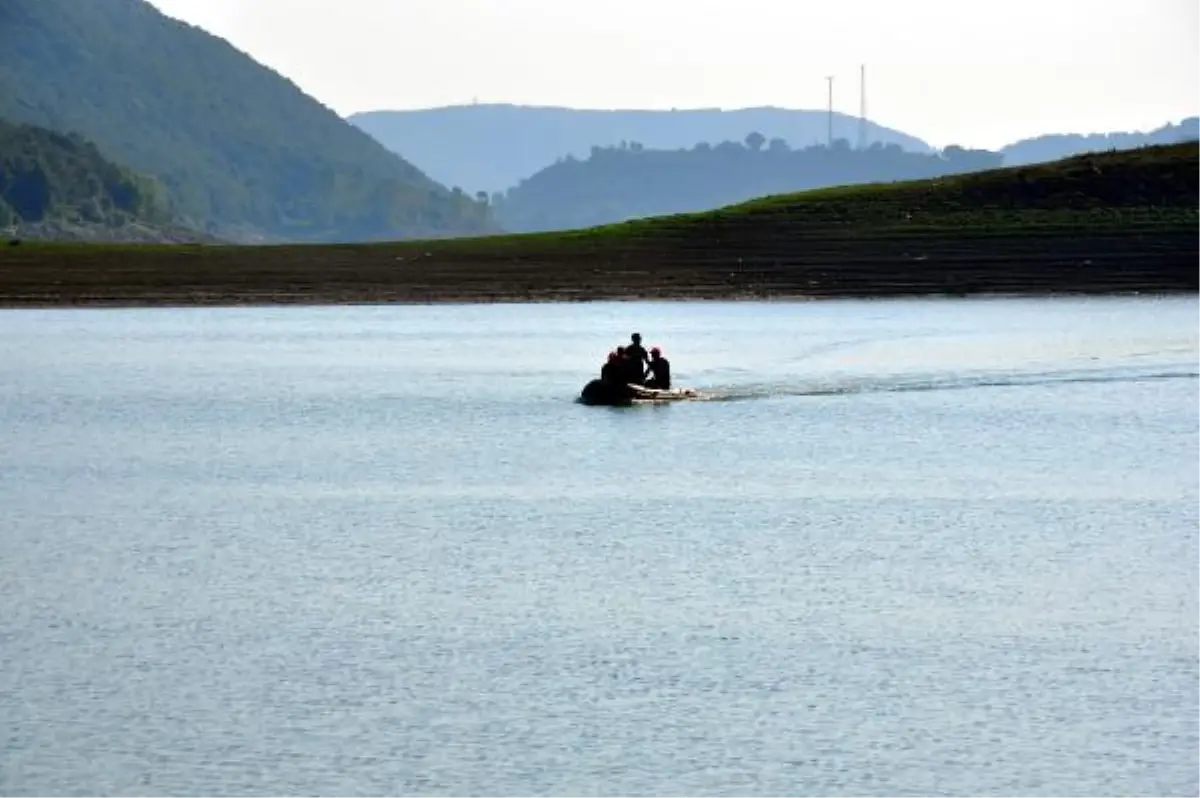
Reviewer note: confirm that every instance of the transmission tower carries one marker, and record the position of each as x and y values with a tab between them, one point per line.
862	107
829	139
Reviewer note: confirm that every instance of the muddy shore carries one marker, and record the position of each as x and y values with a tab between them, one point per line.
1125	261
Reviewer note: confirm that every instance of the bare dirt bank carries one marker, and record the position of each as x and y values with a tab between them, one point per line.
1128	261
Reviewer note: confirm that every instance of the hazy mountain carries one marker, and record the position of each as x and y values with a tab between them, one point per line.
1060	145
620	183
238	149
491	147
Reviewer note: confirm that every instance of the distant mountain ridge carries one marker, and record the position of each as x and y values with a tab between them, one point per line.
492	147
1053	146
238	149
617	184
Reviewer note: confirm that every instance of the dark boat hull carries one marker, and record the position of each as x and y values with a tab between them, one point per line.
602	392
613	394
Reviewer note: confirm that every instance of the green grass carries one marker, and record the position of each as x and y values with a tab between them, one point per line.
1147	187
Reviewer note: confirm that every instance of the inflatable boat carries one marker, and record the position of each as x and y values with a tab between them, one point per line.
615	394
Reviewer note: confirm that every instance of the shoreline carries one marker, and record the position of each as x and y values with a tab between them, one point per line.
474	272
1117	223
310	301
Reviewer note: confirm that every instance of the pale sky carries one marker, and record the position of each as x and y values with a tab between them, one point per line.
978	73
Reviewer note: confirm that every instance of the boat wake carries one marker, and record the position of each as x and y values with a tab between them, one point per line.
908	383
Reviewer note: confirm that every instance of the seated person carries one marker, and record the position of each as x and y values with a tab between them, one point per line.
660	369
613	369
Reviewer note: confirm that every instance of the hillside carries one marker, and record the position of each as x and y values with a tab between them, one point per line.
239	150
56	186
492	147
619	183
47	177
1109	223
1063	145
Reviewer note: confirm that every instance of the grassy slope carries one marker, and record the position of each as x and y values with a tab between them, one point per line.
1116	221
1098	192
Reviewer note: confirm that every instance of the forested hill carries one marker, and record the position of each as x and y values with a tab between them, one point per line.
628	182
489	148
54	185
1060	145
239	150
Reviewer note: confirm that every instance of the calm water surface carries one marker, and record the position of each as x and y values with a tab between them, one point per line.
907	547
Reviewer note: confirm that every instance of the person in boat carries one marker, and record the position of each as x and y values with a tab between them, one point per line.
660	371
611	388
624	373
621	372
613	369
638	359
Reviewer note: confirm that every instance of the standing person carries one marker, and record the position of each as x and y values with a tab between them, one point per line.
660	367
638	359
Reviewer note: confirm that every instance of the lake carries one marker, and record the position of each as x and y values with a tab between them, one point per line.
911	547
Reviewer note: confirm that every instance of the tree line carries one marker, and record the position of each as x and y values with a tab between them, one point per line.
46	175
629	181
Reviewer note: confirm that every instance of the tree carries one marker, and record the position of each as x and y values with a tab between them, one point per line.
755	140
655	182
29	194
966	160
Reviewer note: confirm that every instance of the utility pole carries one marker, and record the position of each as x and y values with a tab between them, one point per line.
862	107
829	141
